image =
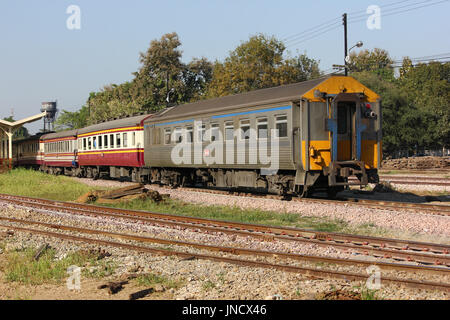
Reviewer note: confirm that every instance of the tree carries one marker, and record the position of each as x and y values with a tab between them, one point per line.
72	120
428	88
259	63
376	61
162	79
394	109
161	70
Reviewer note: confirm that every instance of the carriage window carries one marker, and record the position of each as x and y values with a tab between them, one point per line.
100	142
133	139
125	140
117	140
105	141
262	128
177	134
229	130
167	136
94	142
189	134
245	129
214	132
89	143
281	126
111	141
201	132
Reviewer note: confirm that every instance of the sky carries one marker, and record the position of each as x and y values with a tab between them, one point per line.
41	59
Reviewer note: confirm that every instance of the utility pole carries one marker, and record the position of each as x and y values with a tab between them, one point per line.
344	20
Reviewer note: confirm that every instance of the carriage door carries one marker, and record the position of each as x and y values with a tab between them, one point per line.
346	128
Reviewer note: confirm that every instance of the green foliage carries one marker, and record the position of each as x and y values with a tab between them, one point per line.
259	63
376	61
72	120
428	88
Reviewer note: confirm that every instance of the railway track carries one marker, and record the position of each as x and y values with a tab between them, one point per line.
399	250
432	181
435	209
321	273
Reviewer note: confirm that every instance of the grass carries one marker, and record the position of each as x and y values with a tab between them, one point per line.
236	214
208	285
151	279
21	267
367	294
33	183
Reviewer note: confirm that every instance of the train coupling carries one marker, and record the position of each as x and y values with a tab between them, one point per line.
338	173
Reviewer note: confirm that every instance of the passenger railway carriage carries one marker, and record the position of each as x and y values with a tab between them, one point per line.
60	152
114	148
28	152
326	130
292	139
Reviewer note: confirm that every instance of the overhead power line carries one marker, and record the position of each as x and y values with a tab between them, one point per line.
335	23
395	11
307	33
420	60
326	23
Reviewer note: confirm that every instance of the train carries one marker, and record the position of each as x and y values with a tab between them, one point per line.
294	139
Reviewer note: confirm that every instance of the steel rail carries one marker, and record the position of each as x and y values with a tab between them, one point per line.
233	250
434	209
416	182
378	247
400	177
348	276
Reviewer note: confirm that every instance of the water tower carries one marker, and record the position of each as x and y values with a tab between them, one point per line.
49	119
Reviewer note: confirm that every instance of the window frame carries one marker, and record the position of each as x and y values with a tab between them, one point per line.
167	133
242	136
214	127
125	140
228	125
277	121
118	140
262	121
